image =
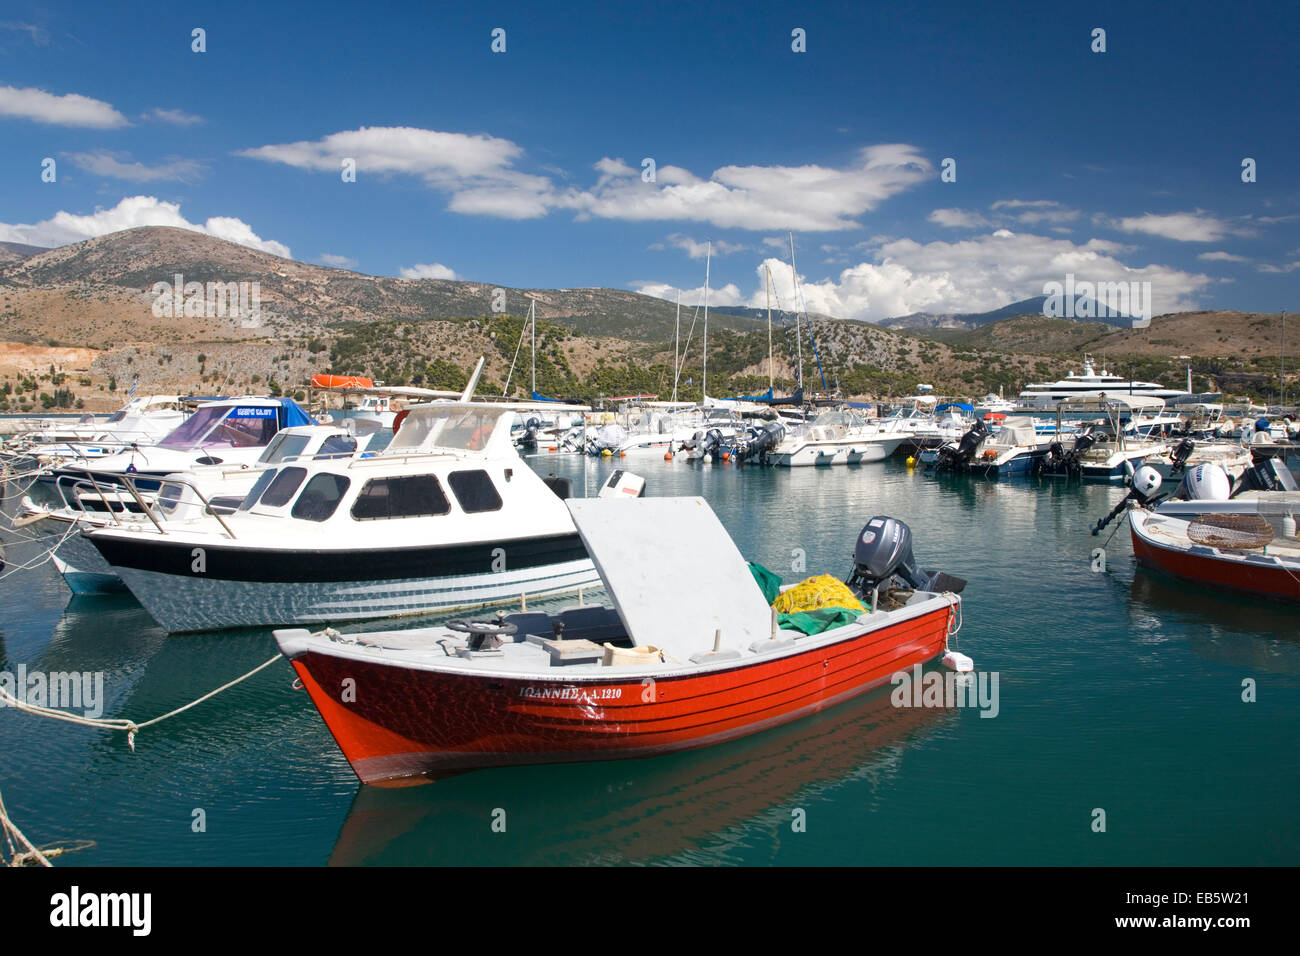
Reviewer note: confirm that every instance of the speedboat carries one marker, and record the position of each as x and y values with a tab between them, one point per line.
141	421
448	517
835	437
637	679
1107	450
1012	450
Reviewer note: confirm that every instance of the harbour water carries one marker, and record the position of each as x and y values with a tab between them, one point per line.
1119	691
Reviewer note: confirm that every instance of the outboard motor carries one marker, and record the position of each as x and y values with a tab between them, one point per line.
1145	487
759	440
950	457
882	559
529	438
1179	455
1205	482
711	443
1265	474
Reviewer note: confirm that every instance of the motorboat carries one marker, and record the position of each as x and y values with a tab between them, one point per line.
447	517
87	503
229	432
837	436
1012	450
636	679
143	420
1107	450
1239	552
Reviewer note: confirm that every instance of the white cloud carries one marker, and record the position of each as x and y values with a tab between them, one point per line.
70	109
175	117
338	262
1221	257
134	211
1289	267
728	294
430	270
957	219
39	35
809	198
478	173
1184	226
977	274
700	250
104	163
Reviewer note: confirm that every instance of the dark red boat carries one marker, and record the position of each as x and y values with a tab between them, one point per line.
690	654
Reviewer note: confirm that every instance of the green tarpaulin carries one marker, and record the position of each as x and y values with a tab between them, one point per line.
806	622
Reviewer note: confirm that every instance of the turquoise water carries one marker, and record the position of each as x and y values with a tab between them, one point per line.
1118	690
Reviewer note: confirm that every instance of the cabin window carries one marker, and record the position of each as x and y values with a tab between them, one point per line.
258	487
284	447
407	497
474	491
321	496
281	490
337	446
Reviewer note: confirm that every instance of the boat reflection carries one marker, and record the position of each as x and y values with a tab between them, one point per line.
631	811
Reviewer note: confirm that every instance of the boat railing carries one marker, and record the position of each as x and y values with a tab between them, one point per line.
89	481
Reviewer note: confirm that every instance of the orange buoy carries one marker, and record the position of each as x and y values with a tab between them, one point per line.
726	456
550	448
668	456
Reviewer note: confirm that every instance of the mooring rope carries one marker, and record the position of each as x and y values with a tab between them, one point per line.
11	832
130	727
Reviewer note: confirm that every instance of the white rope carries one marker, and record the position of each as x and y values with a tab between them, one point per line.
12	833
120	723
36	562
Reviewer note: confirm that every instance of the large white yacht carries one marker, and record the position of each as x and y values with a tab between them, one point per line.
1091	384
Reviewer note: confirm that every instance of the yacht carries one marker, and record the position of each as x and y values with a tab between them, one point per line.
1091	384
836	437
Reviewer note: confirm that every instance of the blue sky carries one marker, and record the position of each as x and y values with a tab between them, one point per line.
524	168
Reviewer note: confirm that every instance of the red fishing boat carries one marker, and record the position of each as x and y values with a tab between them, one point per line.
1239	552
690	654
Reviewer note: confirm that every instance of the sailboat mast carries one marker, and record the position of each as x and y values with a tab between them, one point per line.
798	342
532	318
768	287
704	386
677	338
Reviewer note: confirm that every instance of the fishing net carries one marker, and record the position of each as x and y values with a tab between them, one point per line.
1235	532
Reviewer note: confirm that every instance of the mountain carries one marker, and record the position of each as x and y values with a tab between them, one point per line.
973	320
82	322
15	251
307	298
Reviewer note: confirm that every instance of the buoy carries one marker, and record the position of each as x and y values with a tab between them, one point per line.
708	459
726	456
1288	525
910	461
606	453
622	454
551	448
958	662
668	456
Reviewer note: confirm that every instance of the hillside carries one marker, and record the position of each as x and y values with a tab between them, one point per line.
97	297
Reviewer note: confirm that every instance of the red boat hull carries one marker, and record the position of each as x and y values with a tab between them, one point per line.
1276	582
405	722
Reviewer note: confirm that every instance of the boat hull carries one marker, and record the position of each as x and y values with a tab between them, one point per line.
1234	572
228	586
408	722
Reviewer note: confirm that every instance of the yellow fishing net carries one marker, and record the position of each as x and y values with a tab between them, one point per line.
821	591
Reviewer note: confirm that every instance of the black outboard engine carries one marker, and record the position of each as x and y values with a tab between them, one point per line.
759	440
882	559
711	443
950	457
529	437
1265	474
1181	452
